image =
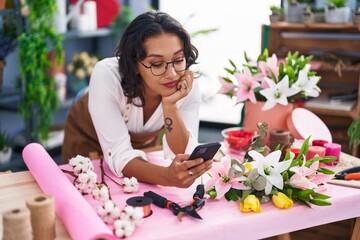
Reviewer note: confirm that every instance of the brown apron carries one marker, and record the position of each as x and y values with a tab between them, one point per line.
80	135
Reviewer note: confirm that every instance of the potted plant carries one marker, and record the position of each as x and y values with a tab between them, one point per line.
336	11
277	14
39	100
5	148
294	9
319	14
308	16
356	16
354	132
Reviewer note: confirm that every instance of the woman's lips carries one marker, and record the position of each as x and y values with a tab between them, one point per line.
170	84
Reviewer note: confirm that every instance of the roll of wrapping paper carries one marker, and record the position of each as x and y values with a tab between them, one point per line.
17	224
79	218
313	150
42	209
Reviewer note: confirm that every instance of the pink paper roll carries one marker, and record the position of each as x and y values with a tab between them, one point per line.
313	150
79	218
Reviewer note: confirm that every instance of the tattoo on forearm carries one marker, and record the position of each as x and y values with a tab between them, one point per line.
168	124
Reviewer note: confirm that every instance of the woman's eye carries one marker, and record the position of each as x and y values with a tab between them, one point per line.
158	64
179	60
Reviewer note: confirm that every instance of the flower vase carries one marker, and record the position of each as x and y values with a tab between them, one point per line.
275	117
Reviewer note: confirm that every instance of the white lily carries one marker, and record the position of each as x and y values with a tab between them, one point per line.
269	167
308	85
277	93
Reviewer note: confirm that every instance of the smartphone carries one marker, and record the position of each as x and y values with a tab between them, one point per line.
206	151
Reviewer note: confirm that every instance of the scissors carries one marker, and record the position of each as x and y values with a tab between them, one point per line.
349	174
178	210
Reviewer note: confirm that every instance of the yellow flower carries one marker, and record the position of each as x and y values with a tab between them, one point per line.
280	200
248	167
251	203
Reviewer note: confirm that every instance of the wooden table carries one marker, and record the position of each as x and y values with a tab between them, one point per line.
15	188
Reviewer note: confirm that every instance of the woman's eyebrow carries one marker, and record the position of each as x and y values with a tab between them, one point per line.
158	55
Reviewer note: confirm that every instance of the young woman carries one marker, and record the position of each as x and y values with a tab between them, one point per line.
147	87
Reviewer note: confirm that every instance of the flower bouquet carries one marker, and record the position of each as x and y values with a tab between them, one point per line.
270	80
262	175
82	64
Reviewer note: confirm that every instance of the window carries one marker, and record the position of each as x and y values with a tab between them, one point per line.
239	29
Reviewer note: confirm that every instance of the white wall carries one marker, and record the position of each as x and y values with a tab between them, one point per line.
239	23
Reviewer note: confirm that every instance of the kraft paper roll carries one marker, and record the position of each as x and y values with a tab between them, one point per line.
42	208
17	224
79	218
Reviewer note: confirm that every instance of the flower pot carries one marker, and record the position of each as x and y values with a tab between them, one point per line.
356	18
308	18
275	117
319	17
5	155
275	18
293	12
337	15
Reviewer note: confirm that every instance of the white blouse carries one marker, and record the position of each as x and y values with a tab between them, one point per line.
107	104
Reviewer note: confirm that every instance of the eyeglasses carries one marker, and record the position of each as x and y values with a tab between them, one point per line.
159	68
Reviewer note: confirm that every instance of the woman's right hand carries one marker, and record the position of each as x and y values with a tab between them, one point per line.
183	172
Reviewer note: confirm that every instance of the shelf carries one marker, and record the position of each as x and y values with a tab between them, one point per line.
316	26
100	32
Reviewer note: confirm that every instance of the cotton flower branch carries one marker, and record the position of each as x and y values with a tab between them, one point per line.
85	180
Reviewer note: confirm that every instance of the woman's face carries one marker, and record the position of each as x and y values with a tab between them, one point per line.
160	50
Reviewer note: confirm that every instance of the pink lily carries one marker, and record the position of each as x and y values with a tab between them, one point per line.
268	67
226	86
308	177
246	86
221	179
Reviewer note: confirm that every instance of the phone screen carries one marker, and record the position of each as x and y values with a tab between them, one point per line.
206	151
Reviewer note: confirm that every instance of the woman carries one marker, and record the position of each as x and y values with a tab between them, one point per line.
146	88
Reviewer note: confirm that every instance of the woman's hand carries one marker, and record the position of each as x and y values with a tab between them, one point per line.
184	86
183	172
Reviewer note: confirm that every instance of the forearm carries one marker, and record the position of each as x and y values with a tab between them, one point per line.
177	136
147	172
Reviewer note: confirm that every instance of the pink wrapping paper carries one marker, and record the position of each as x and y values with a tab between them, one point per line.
79	218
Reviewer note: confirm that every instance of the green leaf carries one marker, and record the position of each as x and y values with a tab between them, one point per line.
316	195
319	202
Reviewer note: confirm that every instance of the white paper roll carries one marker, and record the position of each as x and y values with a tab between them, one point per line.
90	12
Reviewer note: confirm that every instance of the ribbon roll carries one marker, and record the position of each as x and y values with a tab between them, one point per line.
313	150
143	202
319	142
42	208
333	149
17	224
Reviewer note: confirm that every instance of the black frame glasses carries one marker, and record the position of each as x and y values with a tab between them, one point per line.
159	64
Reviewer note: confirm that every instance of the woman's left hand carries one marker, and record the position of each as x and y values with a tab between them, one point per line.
184	86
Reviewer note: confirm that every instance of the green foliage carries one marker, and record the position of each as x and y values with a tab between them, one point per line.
122	21
354	132
39	97
337	3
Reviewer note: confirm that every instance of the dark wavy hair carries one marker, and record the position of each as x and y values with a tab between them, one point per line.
131	48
